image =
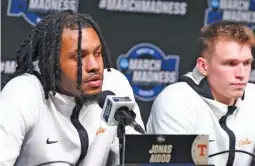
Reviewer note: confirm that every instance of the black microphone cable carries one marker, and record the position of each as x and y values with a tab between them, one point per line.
240	151
231	151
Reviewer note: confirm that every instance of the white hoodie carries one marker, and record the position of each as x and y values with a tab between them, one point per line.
187	107
36	131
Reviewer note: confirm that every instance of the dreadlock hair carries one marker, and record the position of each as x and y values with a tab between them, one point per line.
44	42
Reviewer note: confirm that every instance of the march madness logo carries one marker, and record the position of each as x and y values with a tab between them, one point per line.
174	8
240	11
8	67
148	70
33	10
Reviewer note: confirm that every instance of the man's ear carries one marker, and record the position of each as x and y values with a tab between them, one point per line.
202	65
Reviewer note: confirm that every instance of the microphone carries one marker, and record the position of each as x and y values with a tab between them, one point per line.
118	110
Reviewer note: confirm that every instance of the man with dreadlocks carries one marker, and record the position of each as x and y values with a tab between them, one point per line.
48	110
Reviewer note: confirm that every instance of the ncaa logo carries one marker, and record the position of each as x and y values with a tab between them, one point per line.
33	10
238	11
148	70
160	139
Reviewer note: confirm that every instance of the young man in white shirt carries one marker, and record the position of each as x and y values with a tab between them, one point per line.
49	114
216	98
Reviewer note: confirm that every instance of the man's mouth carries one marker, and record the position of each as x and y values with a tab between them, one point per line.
94	81
239	85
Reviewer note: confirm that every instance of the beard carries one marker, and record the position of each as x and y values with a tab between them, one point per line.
85	100
83	97
89	99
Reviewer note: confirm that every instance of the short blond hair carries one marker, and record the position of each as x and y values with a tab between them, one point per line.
224	30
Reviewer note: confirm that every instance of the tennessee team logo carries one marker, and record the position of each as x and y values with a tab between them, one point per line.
100	130
33	10
199	150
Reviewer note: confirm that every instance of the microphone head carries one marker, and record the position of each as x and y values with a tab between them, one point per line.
102	96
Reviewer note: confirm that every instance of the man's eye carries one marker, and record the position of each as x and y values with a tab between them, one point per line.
247	63
98	53
230	63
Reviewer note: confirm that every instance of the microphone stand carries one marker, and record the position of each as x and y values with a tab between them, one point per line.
123	121
122	142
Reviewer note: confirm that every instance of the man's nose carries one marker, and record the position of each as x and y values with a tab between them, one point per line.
240	72
91	64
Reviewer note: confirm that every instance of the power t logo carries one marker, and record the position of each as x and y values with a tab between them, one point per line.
33	10
148	70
